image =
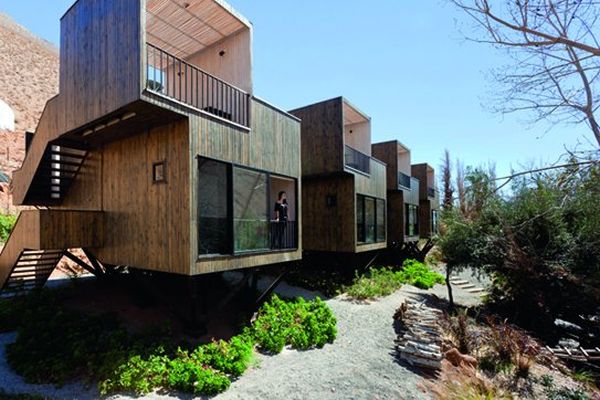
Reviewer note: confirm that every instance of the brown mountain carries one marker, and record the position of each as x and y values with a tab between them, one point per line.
28	78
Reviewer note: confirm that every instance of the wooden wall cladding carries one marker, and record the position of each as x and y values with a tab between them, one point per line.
374	185
272	145
388	153
322	137
100	59
329	214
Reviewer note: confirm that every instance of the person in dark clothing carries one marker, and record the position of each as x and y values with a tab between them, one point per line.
281	217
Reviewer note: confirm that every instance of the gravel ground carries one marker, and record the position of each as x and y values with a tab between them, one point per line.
361	364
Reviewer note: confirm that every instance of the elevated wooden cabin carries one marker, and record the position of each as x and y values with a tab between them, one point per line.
156	154
429	199
343	187
402	193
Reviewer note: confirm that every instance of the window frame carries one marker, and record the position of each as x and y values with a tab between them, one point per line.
361	199
230	209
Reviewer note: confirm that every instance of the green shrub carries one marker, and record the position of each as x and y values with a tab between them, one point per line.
138	375
418	274
232	357
188	375
7	222
300	323
379	282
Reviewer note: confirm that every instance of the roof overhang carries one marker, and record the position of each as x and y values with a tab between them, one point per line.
186	27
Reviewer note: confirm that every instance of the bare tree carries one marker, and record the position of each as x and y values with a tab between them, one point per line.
556	56
447	181
460	188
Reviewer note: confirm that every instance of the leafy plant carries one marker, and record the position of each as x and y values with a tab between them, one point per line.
418	274
459	331
7	222
379	282
465	383
300	323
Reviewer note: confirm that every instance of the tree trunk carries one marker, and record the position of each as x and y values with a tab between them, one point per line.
449	286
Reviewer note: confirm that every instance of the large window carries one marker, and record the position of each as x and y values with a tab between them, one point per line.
214	228
370	219
236	210
412	220
250	210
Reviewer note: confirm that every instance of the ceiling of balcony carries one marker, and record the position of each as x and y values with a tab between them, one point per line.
185	27
353	115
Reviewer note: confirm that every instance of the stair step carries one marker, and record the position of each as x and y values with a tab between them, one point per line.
65	153
458	281
40	259
62	162
41	252
42	274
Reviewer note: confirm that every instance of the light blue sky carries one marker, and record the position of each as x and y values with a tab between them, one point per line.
404	63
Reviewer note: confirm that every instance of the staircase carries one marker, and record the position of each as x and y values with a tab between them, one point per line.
38	242
31	271
56	171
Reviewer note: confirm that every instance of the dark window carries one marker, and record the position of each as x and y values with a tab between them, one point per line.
360	219
370	219
412	220
214	217
159	172
380	235
234	209
434	221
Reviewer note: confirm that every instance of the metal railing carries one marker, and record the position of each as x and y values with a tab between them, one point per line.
357	160
184	82
283	235
404	180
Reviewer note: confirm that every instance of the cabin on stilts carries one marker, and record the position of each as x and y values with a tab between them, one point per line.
156	154
343	186
429	200
402	194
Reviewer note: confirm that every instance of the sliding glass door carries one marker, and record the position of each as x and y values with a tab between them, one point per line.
250	210
214	228
370	219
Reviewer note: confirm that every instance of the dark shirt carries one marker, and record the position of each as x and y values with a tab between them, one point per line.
283	211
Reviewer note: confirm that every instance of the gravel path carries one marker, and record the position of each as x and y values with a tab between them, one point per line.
361	364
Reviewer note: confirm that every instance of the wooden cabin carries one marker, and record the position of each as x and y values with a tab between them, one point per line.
402	193
156	154
429	199
343	186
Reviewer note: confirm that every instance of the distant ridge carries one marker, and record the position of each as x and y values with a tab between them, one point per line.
28	78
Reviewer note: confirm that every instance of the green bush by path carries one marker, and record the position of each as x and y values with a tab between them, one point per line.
7	222
380	282
55	345
300	323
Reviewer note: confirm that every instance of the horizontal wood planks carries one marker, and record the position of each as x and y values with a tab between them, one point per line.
100	59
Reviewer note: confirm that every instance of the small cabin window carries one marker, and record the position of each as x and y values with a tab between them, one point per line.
159	172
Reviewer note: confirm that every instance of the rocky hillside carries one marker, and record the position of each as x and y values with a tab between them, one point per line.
28	78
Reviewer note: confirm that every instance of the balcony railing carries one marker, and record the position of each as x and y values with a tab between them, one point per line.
174	78
357	160
283	235
404	180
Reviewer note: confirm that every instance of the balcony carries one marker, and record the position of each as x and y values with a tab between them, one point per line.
357	160
283	235
176	79
404	181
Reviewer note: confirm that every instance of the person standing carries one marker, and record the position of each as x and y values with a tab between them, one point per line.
281	217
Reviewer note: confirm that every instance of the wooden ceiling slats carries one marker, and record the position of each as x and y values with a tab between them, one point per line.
185	27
